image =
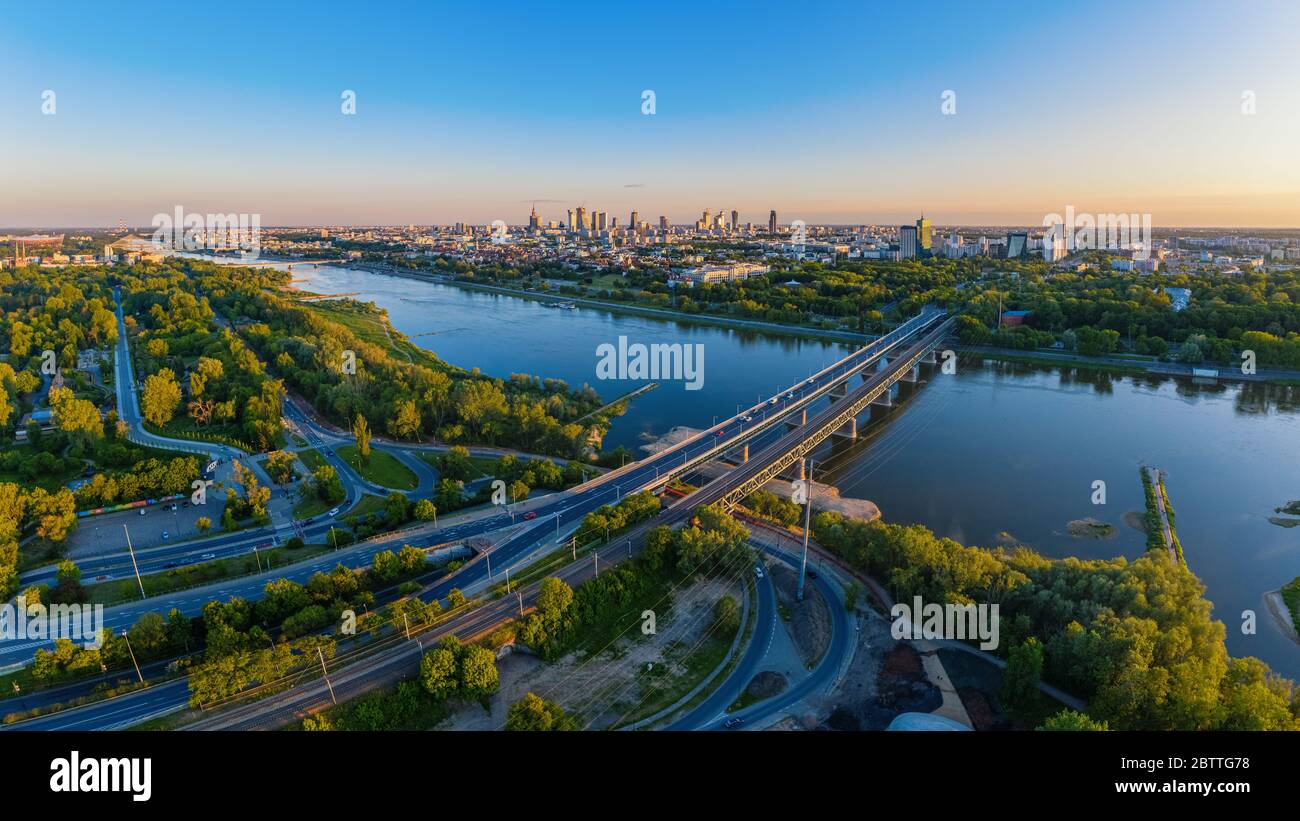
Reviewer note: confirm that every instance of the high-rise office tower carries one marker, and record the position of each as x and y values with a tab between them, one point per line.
581	225
735	219
599	220
635	221
907	241
704	221
771	222
571	225
663	224
924	233
1017	241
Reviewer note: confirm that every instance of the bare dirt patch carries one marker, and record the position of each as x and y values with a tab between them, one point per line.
614	685
766	684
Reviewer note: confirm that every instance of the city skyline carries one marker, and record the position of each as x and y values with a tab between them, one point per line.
856	136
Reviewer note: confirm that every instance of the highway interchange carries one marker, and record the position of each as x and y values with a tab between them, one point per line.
762	427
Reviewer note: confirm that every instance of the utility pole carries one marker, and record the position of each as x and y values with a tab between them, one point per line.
406	622
259	559
507	581
326	674
488	556
131	550
596	557
132	652
520	594
807	517
574	544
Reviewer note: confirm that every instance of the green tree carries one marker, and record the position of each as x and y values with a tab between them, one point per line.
533	714
162	393
1072	720
361	430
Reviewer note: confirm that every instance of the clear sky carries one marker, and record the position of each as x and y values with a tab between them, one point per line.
826	112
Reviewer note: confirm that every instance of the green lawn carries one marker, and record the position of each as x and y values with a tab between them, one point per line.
482	465
369	503
382	468
310	459
311	506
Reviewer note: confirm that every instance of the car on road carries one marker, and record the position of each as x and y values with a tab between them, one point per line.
747	419
208	556
733	722
812	574
721	432
530	515
334	512
142	511
166	535
772	401
790	395
758	570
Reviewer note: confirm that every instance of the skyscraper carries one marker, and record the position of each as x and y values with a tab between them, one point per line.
571	225
924	233
1017	241
735	219
907	241
533	222
663	224
635	221
581	224
771	222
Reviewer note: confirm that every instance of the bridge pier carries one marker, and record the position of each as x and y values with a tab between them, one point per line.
886	399
803	419
849	430
803	473
913	375
838	391
931	358
882	364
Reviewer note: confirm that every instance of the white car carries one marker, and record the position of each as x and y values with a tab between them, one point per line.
334	512
772	401
758	570
206	556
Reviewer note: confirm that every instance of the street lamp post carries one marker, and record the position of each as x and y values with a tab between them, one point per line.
131	550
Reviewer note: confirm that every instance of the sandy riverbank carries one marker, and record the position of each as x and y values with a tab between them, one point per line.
1282	614
825	497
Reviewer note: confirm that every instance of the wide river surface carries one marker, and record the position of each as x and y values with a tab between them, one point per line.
994	451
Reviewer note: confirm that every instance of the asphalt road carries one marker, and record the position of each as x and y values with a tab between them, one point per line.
555	517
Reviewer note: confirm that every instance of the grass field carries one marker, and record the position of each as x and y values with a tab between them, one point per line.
310	459
383	468
481	465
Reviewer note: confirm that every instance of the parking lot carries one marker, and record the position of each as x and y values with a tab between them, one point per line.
103	534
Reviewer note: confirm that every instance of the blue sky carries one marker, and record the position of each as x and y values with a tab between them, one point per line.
826	112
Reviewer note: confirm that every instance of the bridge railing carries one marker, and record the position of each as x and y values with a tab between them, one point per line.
844	410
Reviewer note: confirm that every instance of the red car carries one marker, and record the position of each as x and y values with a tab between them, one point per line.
532	514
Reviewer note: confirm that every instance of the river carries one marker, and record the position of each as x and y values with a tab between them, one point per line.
994	449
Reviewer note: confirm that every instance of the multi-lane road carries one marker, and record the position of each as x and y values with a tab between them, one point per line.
552	519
